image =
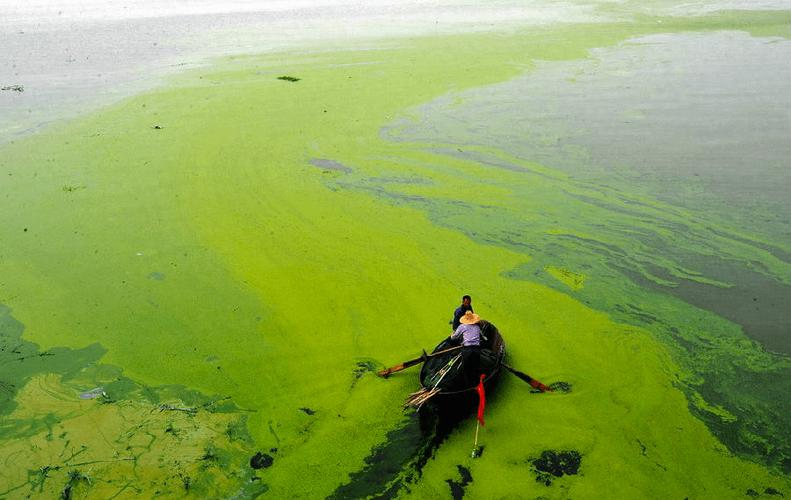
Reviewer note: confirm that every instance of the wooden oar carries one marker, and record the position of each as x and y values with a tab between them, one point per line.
412	362
535	384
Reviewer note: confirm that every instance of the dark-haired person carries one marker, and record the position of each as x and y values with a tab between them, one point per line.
466	305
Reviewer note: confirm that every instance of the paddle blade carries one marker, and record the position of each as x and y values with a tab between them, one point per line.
402	366
535	384
387	371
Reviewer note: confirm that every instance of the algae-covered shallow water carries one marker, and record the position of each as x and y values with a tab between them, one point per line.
198	282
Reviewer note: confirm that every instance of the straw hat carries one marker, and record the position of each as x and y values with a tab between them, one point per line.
469	318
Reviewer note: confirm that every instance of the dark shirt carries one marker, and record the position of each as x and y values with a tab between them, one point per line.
458	313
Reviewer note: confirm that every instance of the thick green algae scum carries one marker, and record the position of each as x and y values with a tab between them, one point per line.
230	257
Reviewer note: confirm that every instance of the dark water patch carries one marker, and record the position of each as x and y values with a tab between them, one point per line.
261	460
457	487
325	164
554	464
307	411
755	301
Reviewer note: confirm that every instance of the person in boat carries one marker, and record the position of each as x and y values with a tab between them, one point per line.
466	305
469	333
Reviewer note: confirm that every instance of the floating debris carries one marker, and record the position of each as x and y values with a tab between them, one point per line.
308	411
289	78
14	88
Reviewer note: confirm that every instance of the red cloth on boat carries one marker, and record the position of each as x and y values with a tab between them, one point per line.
481	399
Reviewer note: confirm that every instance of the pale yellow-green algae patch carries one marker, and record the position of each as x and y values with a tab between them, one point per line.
91	449
205	246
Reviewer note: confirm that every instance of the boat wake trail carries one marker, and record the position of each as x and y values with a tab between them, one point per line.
398	462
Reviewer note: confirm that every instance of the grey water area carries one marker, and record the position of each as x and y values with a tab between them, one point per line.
60	59
696	120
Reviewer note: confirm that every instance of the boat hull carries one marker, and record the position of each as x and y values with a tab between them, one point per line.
458	386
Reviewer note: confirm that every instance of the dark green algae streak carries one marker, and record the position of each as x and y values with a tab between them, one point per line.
601	245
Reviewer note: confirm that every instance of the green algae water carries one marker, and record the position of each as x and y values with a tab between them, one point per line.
199	283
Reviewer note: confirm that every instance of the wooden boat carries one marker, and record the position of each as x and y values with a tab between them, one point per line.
444	379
